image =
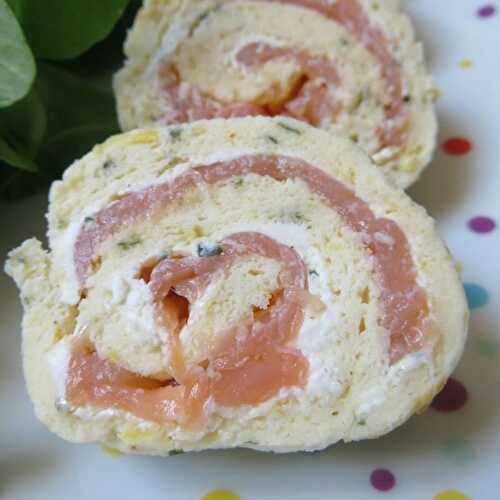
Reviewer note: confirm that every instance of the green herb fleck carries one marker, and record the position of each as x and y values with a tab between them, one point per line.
89	219
313	272
297	217
344	42
272	139
108	164
357	102
362	422
407	98
62	224
238	182
290	129
335	413
205	250
199	20
127	245
175	134
172	453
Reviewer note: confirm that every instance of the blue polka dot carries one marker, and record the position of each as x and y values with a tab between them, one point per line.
477	296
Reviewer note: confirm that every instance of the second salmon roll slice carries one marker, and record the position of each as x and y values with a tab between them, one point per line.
250	282
351	67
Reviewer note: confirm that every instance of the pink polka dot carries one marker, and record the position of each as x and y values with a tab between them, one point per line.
482	224
457	146
382	479
487	11
452	397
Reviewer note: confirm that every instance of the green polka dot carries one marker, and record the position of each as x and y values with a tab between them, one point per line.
459	451
488	347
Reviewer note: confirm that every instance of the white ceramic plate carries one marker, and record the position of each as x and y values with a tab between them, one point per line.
443	456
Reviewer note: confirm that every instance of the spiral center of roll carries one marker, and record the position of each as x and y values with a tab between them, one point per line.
252	362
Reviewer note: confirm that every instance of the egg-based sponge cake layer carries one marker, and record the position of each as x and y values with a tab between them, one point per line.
251	282
351	67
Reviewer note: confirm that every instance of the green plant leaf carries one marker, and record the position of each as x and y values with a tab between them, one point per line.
105	57
15	158
17	67
64	148
17	8
73	102
80	113
23	125
15	182
62	30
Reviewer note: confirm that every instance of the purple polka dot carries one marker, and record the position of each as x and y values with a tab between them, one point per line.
487	11
382	479
451	398
482	224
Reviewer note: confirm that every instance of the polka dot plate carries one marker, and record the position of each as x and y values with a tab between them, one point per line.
450	453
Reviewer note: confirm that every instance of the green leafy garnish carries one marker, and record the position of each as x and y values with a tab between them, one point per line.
17	66
61	30
272	139
15	158
53	112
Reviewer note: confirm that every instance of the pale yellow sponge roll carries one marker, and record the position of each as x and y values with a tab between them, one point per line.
351	67
245	176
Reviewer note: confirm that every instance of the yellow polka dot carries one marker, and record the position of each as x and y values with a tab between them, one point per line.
436	93
466	63
451	495
111	451
221	495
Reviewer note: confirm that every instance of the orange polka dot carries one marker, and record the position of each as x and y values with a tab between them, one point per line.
451	495
221	495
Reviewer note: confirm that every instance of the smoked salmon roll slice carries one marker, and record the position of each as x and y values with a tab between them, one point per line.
351	67
247	282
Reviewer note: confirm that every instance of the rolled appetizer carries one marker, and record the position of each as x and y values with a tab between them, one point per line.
351	67
248	282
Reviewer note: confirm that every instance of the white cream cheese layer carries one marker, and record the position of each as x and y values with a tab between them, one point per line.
396	374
